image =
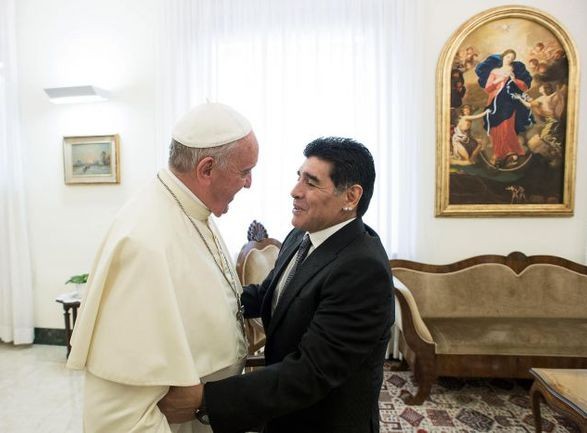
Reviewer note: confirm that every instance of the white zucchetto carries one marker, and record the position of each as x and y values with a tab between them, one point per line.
210	125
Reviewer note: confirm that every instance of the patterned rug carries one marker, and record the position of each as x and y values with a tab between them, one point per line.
458	405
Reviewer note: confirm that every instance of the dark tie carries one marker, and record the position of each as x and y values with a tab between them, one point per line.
300	256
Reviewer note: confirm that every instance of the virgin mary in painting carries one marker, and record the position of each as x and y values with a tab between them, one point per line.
505	81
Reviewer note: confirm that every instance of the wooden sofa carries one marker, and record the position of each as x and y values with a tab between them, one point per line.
490	316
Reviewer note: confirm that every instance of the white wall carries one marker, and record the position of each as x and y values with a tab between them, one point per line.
444	240
111	44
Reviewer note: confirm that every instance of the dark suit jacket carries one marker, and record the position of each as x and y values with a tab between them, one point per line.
325	344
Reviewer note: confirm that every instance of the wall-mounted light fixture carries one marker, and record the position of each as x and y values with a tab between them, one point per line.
76	94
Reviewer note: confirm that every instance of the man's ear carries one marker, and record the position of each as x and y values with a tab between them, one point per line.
204	169
353	196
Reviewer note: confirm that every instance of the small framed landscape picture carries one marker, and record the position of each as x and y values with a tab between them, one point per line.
91	159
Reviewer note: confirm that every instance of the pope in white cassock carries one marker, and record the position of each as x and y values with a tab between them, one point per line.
163	302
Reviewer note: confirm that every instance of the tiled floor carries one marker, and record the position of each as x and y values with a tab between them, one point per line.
37	393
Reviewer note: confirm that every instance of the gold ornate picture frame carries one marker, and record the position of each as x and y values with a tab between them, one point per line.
506	113
91	159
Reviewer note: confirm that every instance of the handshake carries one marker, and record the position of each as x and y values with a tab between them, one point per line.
183	403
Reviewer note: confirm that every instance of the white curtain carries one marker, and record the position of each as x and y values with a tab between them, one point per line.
299	70
16	298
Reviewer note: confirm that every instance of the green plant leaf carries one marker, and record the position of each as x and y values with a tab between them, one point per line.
78	279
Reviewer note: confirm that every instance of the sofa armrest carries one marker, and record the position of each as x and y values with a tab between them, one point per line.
410	315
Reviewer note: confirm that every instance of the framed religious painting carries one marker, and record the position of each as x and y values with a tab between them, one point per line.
91	159
507	91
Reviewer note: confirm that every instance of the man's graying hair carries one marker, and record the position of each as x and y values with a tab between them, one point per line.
183	158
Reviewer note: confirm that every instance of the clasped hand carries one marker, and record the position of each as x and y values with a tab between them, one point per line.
180	403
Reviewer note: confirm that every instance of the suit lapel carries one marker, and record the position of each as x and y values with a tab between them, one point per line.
313	264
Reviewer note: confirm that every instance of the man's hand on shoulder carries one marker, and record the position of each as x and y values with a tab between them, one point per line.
181	402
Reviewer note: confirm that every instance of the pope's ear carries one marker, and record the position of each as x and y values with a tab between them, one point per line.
204	169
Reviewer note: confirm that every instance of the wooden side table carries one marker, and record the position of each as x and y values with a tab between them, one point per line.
564	390
70	301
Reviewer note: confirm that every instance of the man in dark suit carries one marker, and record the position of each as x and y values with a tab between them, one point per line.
327	309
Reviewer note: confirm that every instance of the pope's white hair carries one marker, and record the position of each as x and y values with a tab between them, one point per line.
184	159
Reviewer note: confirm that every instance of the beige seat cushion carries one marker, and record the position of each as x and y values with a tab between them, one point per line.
509	336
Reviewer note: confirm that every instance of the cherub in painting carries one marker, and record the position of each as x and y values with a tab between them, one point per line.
464	147
548	107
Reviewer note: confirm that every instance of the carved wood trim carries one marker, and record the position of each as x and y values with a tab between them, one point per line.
541	391
506	366
516	261
255	361
256	232
420	356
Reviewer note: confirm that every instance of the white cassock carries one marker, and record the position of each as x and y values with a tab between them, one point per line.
159	311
